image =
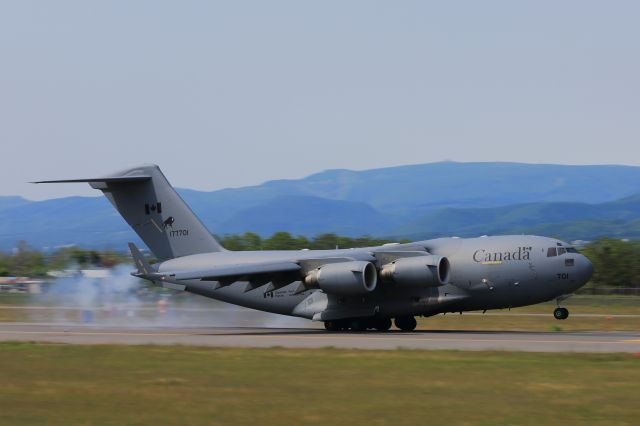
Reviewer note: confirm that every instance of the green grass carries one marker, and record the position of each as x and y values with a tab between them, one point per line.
604	319
64	384
15	299
603	308
520	323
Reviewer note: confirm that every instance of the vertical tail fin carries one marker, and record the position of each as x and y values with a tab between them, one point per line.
155	211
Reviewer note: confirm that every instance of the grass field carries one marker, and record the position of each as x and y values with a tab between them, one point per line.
69	385
586	315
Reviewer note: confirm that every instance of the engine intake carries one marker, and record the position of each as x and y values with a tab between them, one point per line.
344	278
417	271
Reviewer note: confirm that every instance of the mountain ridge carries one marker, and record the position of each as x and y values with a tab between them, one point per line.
406	201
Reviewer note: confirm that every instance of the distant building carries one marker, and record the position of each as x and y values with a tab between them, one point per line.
84	273
96	273
20	285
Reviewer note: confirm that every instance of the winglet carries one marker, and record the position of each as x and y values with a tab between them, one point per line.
144	269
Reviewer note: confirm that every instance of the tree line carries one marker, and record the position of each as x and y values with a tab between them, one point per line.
286	241
26	261
616	262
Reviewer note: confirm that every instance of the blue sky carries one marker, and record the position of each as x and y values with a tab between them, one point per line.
236	93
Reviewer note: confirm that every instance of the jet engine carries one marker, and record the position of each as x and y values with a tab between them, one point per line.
344	278
417	271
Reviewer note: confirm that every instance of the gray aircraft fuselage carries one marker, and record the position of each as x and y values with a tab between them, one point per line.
486	273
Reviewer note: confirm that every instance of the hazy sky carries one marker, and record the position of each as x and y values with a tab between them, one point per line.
236	93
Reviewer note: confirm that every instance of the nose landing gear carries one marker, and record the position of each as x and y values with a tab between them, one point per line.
561	313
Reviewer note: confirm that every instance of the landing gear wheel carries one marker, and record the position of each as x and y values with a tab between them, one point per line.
406	323
561	313
383	324
332	325
358	325
343	325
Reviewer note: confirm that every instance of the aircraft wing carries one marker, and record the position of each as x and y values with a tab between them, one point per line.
256	275
238	270
276	274
215	273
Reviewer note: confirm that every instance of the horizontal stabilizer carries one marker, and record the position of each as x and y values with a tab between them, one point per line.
119	179
141	263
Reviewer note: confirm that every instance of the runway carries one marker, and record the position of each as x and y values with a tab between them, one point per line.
316	338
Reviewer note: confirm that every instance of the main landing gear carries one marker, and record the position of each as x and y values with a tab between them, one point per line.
406	323
362	324
561	313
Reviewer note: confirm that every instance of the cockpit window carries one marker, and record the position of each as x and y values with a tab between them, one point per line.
551	252
561	251
571	250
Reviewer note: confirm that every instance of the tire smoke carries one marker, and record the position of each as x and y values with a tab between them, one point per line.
114	298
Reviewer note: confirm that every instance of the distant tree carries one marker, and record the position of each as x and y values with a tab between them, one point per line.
324	242
251	241
94	258
285	241
615	262
281	241
5	265
110	258
27	261
232	242
302	242
60	259
246	241
80	257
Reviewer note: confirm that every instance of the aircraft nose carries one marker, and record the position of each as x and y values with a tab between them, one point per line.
585	268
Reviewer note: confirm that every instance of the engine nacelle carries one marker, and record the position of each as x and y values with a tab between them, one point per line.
417	271
344	278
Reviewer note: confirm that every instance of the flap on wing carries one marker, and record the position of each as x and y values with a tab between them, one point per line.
310	264
218	272
388	256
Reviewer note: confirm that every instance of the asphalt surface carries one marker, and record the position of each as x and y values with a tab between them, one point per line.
316	338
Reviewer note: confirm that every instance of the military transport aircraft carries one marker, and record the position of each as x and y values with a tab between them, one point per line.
347	289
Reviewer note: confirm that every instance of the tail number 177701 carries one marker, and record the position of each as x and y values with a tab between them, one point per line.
179	233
